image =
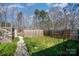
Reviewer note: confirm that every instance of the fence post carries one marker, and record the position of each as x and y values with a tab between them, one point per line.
13	33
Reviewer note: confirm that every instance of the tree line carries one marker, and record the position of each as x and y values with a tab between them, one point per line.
57	18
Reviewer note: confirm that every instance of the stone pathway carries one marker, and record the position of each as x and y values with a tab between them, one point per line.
21	48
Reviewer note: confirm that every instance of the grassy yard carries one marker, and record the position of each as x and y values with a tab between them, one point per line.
37	44
51	46
8	49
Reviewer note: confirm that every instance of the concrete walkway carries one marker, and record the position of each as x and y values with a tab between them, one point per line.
21	48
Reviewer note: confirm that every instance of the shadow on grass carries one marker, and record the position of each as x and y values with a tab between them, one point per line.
68	48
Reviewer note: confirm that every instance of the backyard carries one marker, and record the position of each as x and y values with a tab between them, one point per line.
39	30
42	46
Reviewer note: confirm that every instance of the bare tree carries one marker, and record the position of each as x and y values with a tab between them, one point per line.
20	21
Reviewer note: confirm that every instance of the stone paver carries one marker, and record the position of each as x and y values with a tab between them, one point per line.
21	48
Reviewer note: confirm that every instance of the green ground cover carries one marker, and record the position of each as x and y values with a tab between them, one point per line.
8	49
51	46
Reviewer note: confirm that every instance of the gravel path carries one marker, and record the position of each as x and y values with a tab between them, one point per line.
21	48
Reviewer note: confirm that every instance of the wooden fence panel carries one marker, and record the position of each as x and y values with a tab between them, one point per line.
32	33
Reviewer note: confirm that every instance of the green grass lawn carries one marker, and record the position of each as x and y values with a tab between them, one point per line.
8	49
36	44
50	46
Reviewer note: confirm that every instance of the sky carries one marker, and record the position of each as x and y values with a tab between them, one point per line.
29	8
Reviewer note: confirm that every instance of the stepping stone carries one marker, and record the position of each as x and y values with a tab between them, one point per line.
21	48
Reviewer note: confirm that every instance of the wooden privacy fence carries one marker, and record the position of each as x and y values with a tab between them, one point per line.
61	34
32	33
57	33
